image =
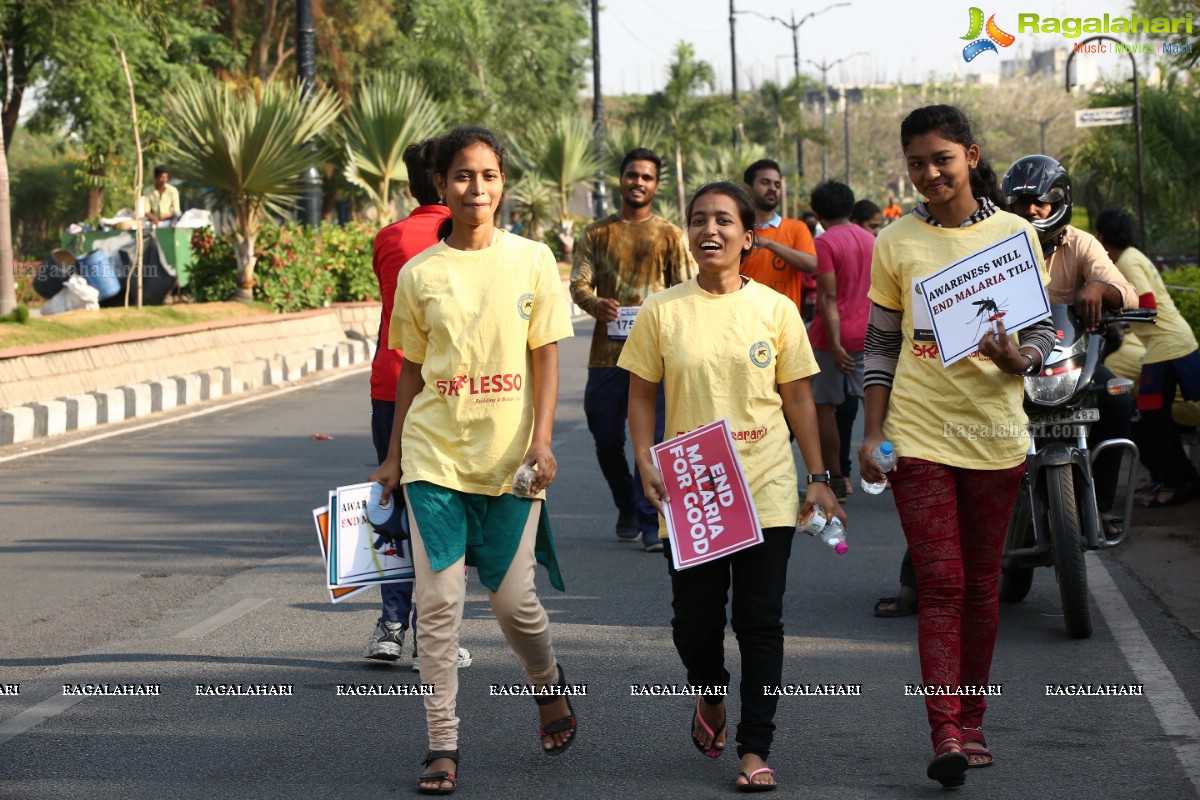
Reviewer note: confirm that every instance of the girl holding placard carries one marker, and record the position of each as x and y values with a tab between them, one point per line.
955	494
478	316
724	346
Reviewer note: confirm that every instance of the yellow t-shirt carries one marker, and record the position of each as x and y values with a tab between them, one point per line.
723	355
968	414
470	319
1170	337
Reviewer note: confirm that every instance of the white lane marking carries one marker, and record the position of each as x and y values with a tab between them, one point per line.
1175	714
12	728
222	618
219	406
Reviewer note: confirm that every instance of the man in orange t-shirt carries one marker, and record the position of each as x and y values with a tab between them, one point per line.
784	256
892	211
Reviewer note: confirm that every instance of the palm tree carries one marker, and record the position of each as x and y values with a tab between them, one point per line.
251	147
553	158
683	111
619	139
724	163
390	112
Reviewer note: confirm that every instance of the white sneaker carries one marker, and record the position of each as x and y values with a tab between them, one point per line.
464	660
387	642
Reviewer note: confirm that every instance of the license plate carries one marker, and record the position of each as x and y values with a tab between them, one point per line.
1066	417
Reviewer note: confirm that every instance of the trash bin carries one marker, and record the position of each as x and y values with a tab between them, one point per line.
99	272
57	267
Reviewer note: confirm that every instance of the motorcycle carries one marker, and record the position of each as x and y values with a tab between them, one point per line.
1055	519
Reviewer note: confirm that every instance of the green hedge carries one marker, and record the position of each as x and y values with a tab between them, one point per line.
298	267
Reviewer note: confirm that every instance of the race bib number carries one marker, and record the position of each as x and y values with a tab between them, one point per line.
618	329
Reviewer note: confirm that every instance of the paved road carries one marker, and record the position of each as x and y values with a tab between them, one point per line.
183	554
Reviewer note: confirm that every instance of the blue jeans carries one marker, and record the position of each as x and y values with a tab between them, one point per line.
606	404
397	597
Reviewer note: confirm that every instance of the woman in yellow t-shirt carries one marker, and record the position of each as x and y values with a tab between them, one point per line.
1171	363
959	431
478	316
725	346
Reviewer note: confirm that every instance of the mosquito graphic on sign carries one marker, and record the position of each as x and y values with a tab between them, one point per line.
1001	281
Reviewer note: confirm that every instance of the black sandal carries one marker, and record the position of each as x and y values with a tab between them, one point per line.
567	723
438	775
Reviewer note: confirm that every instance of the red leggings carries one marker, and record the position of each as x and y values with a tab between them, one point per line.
955	522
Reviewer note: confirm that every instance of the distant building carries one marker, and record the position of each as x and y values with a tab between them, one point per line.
1051	65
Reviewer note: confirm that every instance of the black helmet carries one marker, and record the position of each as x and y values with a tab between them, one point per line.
1047	180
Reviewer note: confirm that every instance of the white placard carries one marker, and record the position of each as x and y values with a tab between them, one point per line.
1001	281
1095	117
618	329
358	555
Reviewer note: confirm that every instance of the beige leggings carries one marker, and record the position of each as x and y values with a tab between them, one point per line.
439	598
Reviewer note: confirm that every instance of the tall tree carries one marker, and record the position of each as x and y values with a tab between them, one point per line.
682	109
64	47
1105	164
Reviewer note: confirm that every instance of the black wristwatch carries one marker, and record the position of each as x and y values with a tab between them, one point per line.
820	477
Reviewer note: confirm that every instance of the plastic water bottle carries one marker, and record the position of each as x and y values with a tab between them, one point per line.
814	523
834	535
885	456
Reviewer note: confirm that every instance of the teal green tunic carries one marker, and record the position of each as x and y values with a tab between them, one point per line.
485	529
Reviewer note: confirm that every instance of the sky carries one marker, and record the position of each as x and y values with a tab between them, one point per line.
899	39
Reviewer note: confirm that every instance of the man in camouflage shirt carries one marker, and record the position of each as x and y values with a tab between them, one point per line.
619	262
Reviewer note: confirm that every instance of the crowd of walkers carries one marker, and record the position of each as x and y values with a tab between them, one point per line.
778	326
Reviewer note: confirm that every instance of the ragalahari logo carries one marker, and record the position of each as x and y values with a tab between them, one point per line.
995	36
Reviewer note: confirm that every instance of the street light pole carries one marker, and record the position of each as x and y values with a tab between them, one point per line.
737	128
794	26
1137	125
597	111
825	66
310	214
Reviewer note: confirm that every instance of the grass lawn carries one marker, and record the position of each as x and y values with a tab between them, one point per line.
82	324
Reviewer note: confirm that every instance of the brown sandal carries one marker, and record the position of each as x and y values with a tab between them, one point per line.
438	775
949	765
979	756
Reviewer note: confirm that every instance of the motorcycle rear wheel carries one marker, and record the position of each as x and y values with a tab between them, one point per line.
1066	542
1015	583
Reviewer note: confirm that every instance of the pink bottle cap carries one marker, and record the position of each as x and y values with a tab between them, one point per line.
840	548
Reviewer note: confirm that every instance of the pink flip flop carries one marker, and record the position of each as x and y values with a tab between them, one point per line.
751	786
713	751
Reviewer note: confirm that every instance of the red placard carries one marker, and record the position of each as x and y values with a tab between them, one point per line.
711	512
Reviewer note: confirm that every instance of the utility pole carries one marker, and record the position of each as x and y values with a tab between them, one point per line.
737	123
310	213
598	113
825	66
846	130
794	26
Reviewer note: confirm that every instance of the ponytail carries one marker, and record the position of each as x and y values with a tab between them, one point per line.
445	228
985	183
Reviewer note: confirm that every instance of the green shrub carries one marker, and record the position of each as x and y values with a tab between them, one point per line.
298	268
214	266
348	252
1187	300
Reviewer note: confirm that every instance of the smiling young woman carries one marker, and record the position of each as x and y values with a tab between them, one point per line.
725	346
954	495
